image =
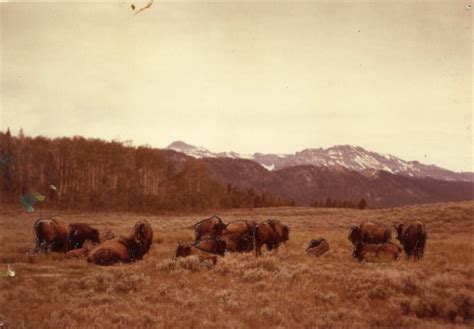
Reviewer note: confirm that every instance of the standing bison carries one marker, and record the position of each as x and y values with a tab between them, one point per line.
412	236
124	249
212	226
369	233
56	234
270	233
51	234
238	235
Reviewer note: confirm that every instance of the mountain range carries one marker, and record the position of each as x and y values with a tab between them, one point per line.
340	156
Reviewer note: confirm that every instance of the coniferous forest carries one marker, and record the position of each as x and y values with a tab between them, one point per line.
92	174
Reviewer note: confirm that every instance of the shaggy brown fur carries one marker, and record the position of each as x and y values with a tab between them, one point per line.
270	233
239	235
369	233
124	249
413	238
377	252
212	244
192	250
79	233
212	225
143	237
318	247
51	233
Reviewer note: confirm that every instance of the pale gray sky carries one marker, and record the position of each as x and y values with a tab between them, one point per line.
393	77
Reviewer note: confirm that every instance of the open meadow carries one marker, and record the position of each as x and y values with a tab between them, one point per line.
288	289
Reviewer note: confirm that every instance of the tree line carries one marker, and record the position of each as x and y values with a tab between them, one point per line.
92	174
330	203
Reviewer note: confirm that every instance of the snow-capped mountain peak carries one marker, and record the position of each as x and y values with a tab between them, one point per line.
343	156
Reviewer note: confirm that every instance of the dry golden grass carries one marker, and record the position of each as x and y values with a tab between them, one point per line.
286	290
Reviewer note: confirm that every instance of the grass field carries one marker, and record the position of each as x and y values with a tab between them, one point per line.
288	289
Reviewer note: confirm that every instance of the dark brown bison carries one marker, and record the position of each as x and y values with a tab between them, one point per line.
369	233
192	250
79	233
238	235
212	226
376	252
270	233
124	249
51	234
412	236
211	244
318	247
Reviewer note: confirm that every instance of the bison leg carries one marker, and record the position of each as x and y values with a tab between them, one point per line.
37	246
258	249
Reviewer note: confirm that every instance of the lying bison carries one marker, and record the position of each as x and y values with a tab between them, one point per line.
377	252
124	249
211	244
238	235
369	233
51	234
209	226
318	247
270	233
192	250
413	238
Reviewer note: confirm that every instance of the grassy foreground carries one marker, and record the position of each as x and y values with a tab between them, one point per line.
289	289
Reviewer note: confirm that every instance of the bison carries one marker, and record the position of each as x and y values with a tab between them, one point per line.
369	233
212	226
124	249
211	244
51	233
79	233
376	252
270	233
317	247
238	235
413	238
192	250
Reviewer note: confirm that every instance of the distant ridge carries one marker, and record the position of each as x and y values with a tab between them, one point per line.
343	156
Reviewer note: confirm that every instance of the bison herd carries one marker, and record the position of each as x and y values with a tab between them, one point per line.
213	238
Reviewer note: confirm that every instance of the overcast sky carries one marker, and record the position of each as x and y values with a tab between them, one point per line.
392	77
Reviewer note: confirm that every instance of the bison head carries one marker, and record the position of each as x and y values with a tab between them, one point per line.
143	237
399	230
355	235
182	251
